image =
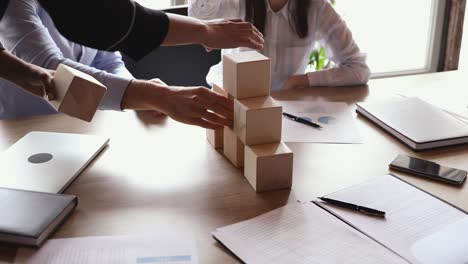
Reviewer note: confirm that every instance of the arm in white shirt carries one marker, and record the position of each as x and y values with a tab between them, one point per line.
23	34
111	62
332	31
215	9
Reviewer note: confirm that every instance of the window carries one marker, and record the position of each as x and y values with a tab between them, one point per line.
399	36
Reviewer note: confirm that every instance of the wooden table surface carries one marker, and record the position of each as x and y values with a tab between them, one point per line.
166	175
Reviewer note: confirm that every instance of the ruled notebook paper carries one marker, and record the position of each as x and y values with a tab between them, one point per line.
301	233
411	214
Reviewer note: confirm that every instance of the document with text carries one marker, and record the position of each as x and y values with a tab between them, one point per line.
154	249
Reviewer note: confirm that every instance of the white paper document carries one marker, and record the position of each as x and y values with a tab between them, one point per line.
154	249
299	234
336	120
449	245
411	214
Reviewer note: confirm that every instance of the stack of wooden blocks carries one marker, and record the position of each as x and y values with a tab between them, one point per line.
255	140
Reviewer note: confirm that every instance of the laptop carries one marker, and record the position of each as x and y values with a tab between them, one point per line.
47	161
416	123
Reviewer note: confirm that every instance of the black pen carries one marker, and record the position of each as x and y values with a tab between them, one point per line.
362	209
301	120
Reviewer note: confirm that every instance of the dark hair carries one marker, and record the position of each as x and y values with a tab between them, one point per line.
255	12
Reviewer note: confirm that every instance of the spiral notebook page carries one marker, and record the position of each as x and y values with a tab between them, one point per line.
299	234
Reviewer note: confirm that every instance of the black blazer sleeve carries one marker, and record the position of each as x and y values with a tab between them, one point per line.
114	25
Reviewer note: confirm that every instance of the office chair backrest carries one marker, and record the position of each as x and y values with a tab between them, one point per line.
177	65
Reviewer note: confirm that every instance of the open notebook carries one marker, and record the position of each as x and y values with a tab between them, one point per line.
320	233
415	122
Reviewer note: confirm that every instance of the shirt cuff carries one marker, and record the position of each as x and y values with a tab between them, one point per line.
148	32
116	87
317	78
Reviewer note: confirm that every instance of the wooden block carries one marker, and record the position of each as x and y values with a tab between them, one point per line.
246	74
269	167
216	137
258	120
78	94
233	148
219	89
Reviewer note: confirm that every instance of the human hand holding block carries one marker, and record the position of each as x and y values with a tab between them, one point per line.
77	94
246	74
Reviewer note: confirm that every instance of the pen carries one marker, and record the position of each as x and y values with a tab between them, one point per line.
301	120
362	209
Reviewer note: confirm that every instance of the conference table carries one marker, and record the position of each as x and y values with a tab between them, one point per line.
157	174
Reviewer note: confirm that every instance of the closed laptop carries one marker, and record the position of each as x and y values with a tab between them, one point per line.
416	123
48	161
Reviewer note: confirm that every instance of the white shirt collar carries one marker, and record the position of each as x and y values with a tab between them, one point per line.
282	12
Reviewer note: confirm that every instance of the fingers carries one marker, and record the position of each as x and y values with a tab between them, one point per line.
49	86
215	102
36	90
248	35
214	118
251	41
203	123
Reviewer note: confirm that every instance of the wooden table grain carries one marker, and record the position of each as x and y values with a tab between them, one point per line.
165	176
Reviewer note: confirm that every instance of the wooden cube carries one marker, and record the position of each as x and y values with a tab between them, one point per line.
269	167
258	120
78	94
215	137
246	74
233	148
217	87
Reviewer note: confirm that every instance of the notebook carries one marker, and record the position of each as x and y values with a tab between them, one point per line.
411	214
47	161
29	218
415	122
322	233
301	233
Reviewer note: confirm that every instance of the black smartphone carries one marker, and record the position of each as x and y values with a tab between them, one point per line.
428	169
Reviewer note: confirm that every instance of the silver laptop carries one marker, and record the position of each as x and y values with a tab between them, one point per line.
47	161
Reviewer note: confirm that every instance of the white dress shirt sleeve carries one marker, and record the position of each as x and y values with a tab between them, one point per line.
111	62
215	9
331	31
24	35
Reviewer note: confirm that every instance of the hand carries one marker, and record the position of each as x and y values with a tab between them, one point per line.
31	78
225	34
296	81
151	115
38	81
198	106
191	105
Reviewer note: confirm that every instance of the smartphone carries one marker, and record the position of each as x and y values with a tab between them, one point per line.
429	169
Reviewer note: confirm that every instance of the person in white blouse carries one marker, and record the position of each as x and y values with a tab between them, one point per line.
291	29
